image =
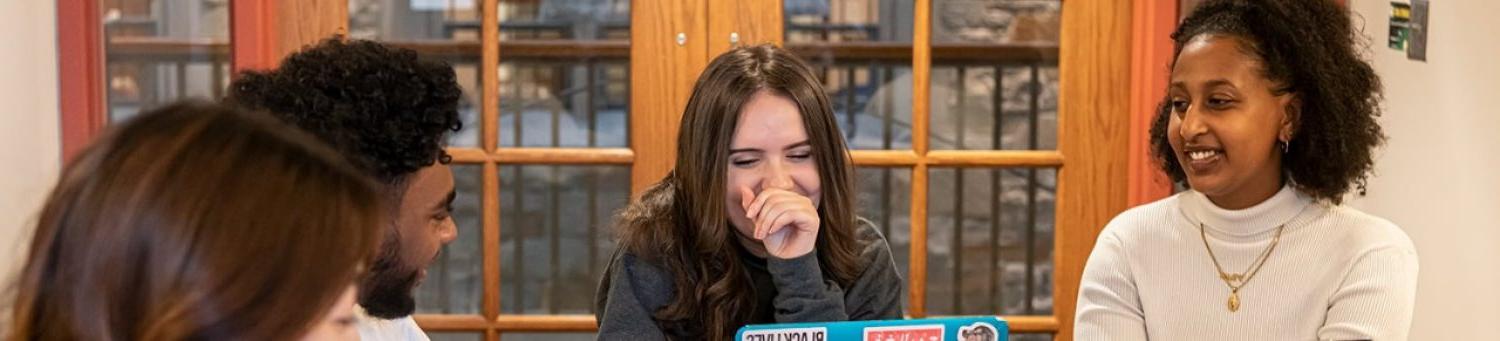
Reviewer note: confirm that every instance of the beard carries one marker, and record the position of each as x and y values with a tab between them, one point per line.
386	291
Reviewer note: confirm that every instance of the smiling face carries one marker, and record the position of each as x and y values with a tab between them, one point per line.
1226	121
426	216
423	225
769	150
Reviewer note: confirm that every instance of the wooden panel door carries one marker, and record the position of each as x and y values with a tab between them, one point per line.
669	49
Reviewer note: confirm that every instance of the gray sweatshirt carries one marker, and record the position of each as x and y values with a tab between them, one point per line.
790	290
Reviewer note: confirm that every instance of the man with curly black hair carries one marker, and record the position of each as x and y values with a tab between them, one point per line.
389	113
1270	120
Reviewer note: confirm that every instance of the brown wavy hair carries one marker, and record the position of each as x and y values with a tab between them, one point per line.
680	222
196	221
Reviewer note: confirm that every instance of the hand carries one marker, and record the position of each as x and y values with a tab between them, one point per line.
786	222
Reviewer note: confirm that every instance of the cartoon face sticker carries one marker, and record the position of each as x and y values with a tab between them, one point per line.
978	331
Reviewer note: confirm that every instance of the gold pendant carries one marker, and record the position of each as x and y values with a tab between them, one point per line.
1234	301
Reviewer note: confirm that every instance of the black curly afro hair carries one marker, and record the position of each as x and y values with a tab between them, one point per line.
1311	49
384	108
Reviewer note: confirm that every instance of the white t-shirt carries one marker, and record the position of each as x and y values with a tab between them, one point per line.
379	329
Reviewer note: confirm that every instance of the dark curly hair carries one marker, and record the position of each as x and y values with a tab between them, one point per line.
386	110
1311	49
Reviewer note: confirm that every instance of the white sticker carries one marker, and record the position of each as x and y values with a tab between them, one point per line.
787	334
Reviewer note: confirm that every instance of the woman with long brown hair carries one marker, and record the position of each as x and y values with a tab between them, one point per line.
201	222
755	223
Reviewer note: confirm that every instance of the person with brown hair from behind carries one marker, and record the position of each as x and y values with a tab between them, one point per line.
199	222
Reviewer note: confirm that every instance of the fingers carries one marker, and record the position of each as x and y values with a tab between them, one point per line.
781	209
779	204
782	221
758	206
770	205
803	219
753	210
746	198
764	226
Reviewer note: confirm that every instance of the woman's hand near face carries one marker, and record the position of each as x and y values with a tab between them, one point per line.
786	222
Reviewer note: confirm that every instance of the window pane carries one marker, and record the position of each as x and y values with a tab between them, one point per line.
160	51
967	111
454	283
408	20
884	196
879	96
564	104
850	44
848	20
564	73
555	237
994	74
443	30
989	242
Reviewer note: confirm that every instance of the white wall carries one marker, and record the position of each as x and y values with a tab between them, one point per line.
29	142
1439	176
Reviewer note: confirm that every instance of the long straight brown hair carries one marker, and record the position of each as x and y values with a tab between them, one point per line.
680	223
196	221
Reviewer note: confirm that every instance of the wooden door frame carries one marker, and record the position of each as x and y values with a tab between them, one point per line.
252	34
80	73
1094	101
1152	23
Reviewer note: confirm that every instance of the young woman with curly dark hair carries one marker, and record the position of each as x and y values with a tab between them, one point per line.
755	223
1270	120
388	112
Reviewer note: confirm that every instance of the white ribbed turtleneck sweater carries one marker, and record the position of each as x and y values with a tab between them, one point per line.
1337	273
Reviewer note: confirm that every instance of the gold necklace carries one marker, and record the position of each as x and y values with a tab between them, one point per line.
1235	281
